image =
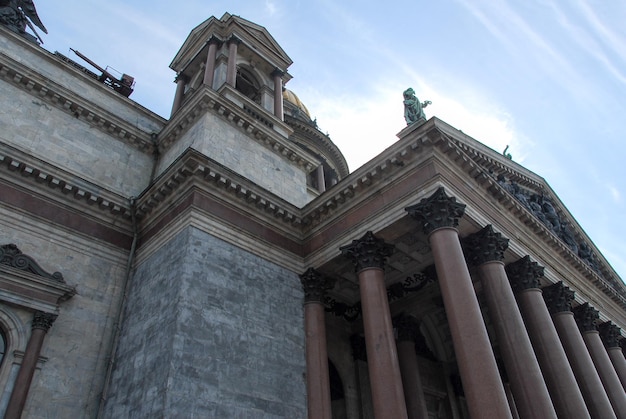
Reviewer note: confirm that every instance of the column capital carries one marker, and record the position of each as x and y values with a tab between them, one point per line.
610	334
407	327
368	252
315	285
524	274
233	39
586	317
43	320
436	211
558	298
277	72
214	40
484	246
181	77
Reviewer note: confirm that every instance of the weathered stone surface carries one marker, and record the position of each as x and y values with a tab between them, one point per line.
211	331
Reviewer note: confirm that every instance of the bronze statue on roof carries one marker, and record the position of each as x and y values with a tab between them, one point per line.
17	14
413	108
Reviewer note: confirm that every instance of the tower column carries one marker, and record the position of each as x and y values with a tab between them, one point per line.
209	68
566	396
40	326
278	74
611	336
369	255
481	380
408	329
558	298
586	317
485	249
181	82
231	70
317	377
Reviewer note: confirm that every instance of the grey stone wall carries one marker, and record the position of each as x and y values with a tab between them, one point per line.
219	140
211	331
76	346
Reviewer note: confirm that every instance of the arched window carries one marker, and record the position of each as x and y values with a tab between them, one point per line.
3	345
248	85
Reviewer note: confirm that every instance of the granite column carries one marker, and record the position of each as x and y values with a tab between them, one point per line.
558	298
317	376
567	399
439	215
209	67
408	329
369	255
485	250
231	69
586	317
611	336
181	83
40	326
277	75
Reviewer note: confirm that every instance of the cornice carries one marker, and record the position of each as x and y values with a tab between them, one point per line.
69	102
204	172
36	174
255	126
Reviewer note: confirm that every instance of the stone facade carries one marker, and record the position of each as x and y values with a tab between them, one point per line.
180	245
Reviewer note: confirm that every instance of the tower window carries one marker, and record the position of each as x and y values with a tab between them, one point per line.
248	85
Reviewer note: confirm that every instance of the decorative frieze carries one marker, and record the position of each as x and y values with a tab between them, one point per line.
437	211
558	298
484	246
368	252
524	274
315	285
610	334
586	317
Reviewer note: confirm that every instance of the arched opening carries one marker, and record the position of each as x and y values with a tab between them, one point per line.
3	346
337	395
247	84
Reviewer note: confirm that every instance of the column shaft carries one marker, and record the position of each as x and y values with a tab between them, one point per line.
181	82
25	375
382	358
588	380
619	362
566	396
411	381
608	376
479	373
209	68
278	94
231	72
321	182
317	377
527	385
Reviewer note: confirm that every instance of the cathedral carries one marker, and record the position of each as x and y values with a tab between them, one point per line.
225	263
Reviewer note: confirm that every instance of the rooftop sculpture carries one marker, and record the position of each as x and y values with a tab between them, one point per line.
17	14
413	108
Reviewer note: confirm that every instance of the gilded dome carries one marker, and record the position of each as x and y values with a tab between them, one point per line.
294	100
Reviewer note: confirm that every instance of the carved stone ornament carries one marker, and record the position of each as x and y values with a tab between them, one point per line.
610	334
408	327
484	246
524	274
586	317
437	211
12	256
558	298
43	320
315	285
368	252
622	344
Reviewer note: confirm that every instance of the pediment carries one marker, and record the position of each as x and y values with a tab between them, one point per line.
228	25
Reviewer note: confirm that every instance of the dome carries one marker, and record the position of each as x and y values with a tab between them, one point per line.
290	98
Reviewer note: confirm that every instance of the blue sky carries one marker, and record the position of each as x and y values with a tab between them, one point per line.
547	78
